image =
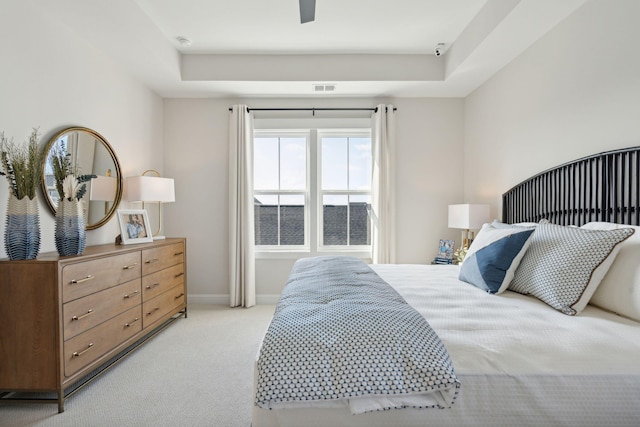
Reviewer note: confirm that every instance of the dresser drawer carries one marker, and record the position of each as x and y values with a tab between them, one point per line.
156	283
83	349
92	276
157	259
156	308
86	312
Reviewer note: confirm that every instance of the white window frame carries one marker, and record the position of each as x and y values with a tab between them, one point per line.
340	133
313	202
289	133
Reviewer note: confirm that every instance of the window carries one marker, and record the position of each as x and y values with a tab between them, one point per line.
280	189
345	190
312	190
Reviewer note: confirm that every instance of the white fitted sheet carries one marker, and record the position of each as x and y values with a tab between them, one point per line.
520	362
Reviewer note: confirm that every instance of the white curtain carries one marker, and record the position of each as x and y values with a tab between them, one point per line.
241	234
383	199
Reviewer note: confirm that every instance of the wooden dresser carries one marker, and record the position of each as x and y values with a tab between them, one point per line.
66	317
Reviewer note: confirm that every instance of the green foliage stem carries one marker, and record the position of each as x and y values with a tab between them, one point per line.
22	165
61	165
60	162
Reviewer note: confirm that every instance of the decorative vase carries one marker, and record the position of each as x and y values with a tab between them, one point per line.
70	234
22	232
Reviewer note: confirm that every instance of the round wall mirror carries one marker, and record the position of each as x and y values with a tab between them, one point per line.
89	154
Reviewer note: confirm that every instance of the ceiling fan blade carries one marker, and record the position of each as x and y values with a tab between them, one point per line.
307	11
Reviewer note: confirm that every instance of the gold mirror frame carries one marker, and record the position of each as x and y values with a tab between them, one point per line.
116	172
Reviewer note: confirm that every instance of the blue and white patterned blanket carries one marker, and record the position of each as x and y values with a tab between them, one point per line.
341	335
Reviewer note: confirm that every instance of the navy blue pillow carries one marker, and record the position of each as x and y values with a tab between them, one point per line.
494	256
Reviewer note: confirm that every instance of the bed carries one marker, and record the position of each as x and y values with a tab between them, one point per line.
523	345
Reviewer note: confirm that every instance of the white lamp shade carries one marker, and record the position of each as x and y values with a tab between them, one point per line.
150	189
103	188
468	217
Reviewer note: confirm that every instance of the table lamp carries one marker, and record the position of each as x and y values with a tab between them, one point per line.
151	189
468	217
103	189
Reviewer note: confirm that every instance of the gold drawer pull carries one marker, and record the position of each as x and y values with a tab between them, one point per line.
178	275
131	294
178	253
131	323
153	311
153	286
151	261
181	295
78	354
129	267
89	277
88	313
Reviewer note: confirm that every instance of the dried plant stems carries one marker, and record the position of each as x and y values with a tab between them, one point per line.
61	166
60	161
22	165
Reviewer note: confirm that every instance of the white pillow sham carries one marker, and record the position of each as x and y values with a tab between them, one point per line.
498	224
619	290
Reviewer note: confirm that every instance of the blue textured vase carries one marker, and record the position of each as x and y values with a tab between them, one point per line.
70	234
22	231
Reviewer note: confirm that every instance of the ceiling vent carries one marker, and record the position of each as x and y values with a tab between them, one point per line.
327	87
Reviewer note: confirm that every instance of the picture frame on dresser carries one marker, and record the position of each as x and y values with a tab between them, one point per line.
134	226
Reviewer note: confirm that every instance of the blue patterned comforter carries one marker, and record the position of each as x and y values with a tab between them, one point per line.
341	335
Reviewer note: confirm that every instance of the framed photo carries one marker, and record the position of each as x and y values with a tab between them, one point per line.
134	226
445	249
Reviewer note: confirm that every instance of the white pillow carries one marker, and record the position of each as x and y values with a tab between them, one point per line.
498	224
619	290
494	256
564	265
525	224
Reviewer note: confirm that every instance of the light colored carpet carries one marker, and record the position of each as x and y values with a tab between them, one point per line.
197	372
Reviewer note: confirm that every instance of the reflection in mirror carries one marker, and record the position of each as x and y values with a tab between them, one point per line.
89	153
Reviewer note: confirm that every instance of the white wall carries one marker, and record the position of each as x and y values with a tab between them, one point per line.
430	154
195	131
573	93
196	156
51	79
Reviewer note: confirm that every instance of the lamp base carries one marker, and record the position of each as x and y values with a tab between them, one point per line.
464	241
159	237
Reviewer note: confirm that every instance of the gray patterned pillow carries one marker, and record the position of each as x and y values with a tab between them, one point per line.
564	265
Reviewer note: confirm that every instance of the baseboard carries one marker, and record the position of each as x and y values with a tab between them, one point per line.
217	299
267	299
221	299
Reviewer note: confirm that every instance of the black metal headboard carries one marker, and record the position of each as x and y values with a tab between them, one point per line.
601	187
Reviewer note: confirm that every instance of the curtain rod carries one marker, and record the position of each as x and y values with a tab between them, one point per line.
374	109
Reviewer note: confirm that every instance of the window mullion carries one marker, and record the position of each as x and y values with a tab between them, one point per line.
313	186
278	219
348	198
279	189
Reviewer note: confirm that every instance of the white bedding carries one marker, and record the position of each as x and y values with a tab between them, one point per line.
501	334
520	362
